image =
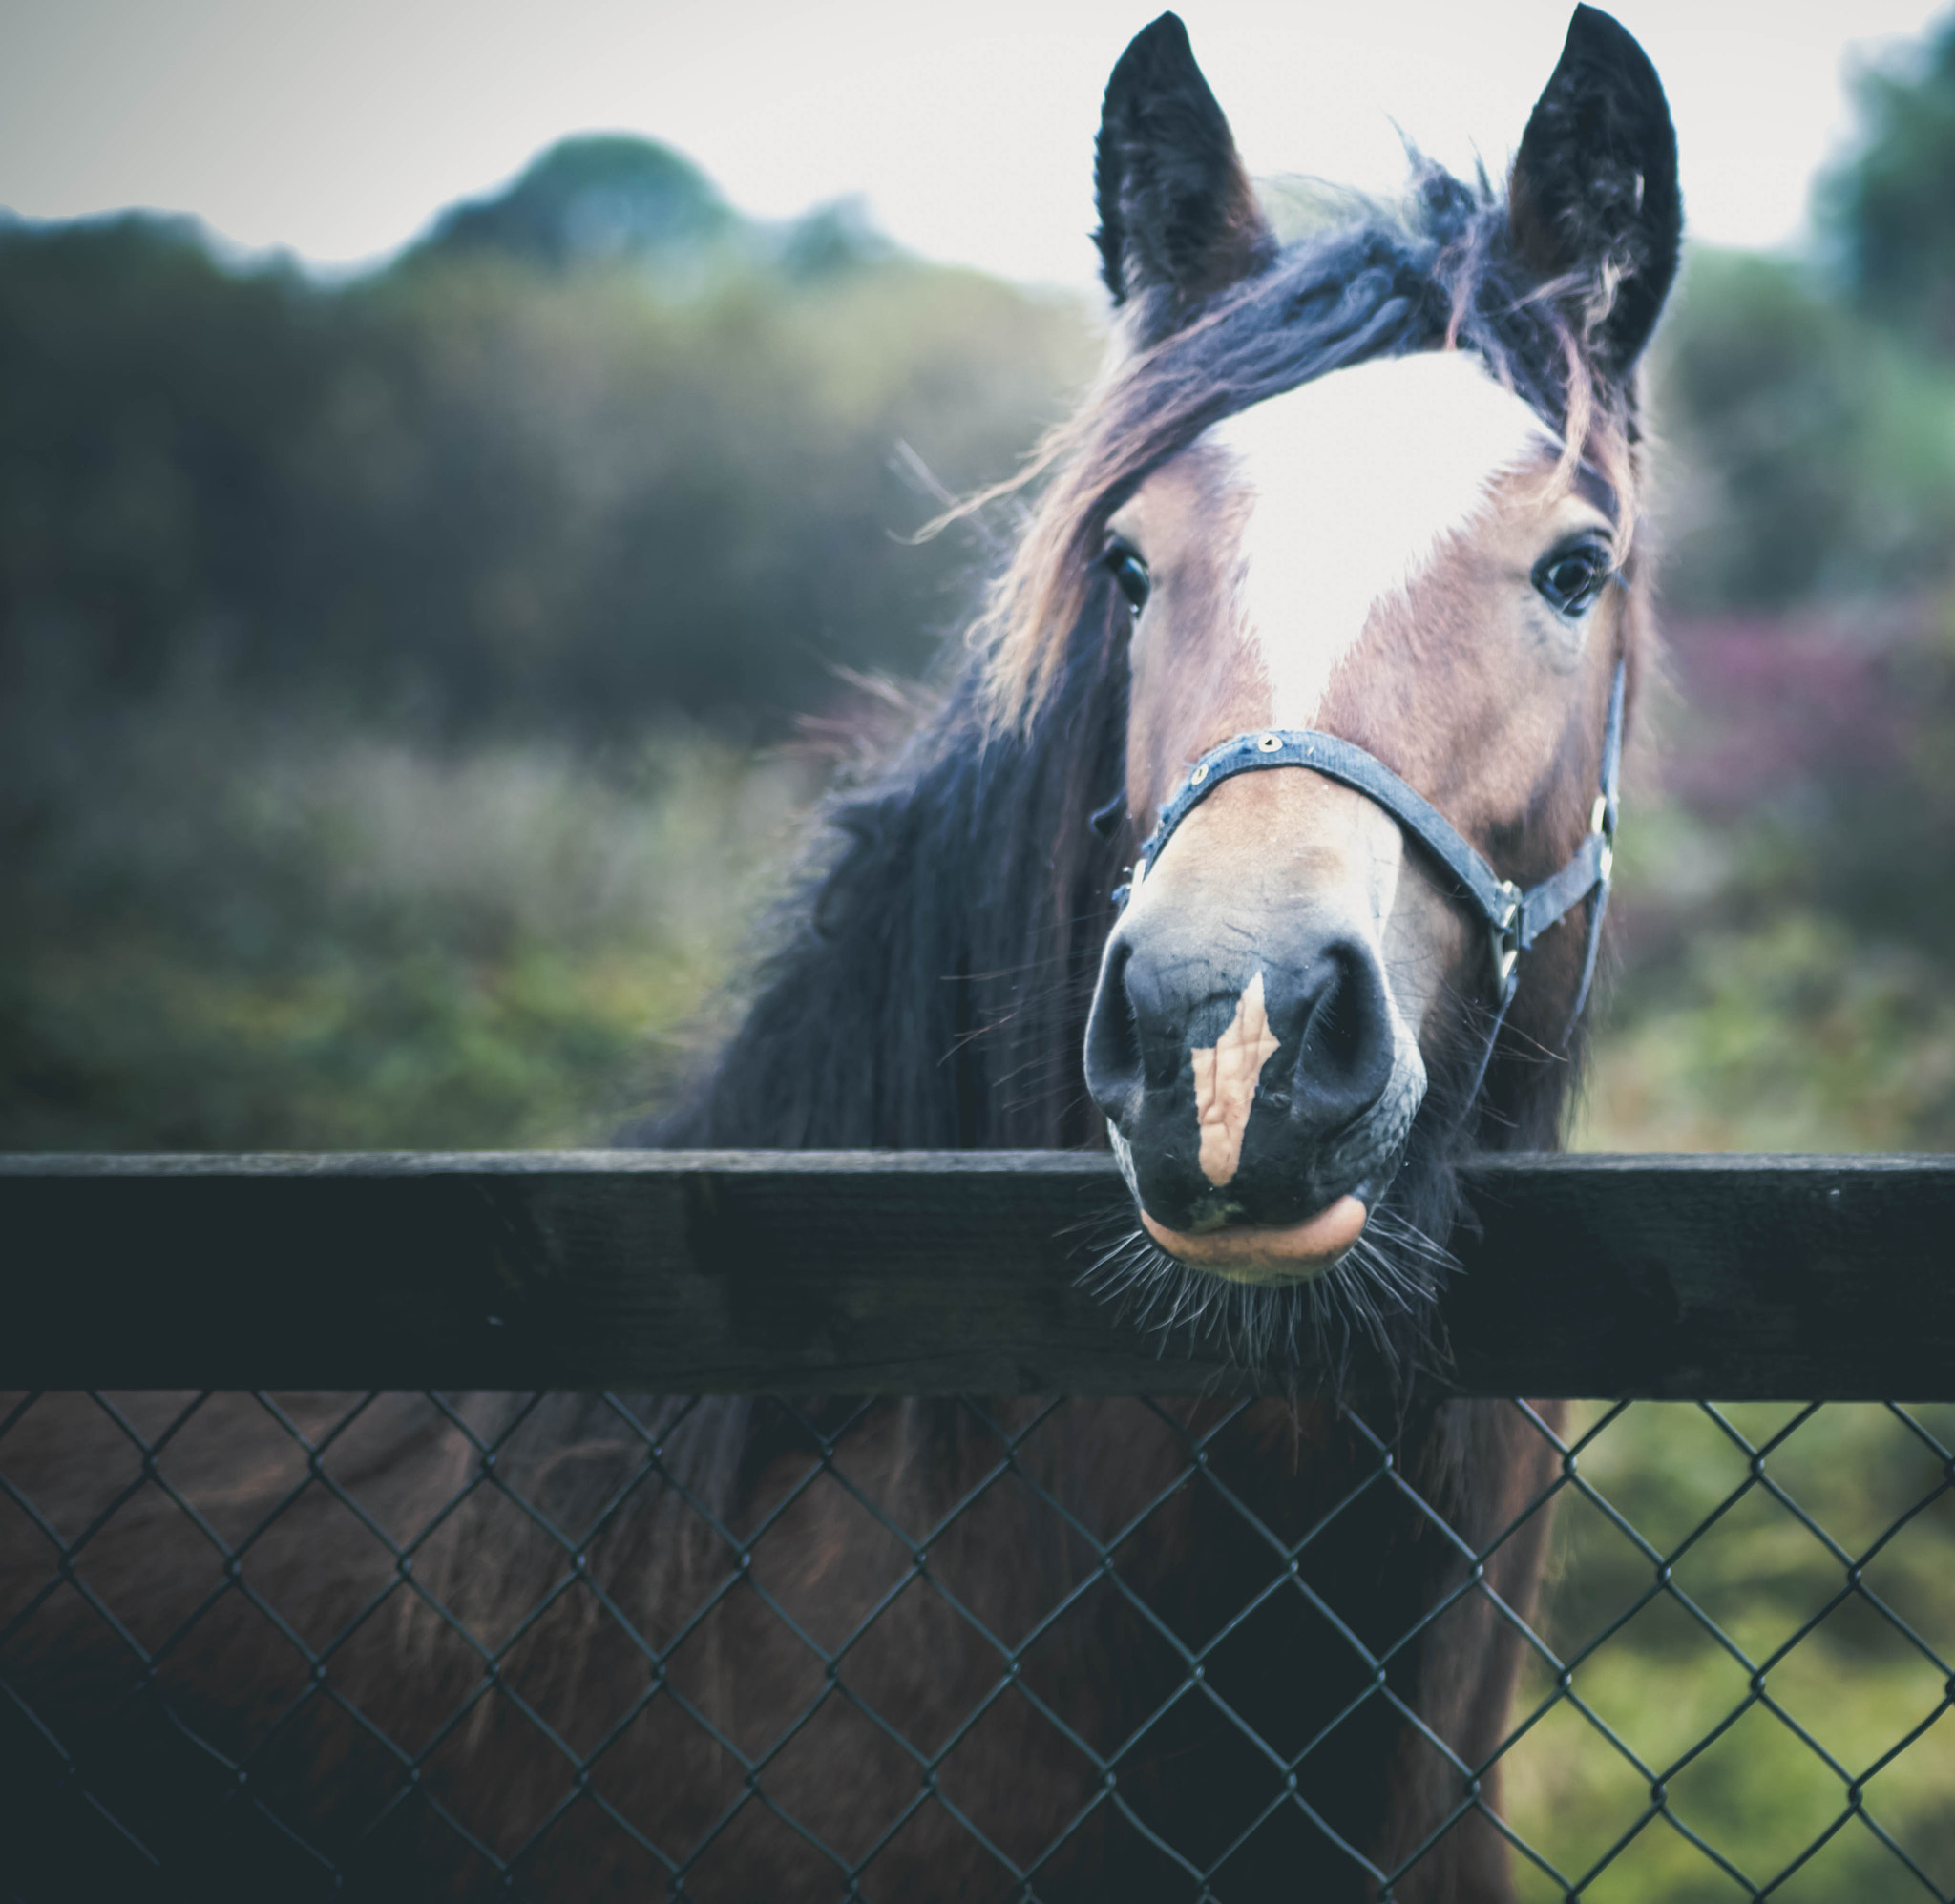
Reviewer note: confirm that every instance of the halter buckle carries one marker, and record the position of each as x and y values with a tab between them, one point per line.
1506	931
1600	825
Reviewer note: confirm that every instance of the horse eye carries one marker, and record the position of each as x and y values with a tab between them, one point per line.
1129	576
1572	578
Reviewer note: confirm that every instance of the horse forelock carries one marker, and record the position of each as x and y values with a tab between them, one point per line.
1439	278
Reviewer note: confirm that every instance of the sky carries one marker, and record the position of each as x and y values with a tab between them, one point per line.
338	131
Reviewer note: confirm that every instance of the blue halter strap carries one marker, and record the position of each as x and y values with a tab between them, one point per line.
1514	918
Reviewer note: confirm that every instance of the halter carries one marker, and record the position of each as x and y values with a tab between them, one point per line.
1514	918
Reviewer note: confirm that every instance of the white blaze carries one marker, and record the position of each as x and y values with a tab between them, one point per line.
1226	1074
1354	482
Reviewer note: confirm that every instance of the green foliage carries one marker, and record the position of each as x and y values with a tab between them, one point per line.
1784	899
349	637
1764	1010
1802	449
235	932
494	488
1891	207
1808	439
588	200
1757	1572
1791	1035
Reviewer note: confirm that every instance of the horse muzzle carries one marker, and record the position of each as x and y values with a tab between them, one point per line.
1258	1099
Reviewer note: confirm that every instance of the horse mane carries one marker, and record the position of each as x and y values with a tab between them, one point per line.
931	978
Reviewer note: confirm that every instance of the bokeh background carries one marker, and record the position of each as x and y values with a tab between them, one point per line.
415	679
411	675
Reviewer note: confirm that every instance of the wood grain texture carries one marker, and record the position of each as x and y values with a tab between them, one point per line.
922	1273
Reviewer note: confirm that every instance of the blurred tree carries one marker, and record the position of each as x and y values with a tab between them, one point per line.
588	200
1805	450
1891	207
596	446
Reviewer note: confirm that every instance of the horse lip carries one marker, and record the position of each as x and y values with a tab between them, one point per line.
1265	1254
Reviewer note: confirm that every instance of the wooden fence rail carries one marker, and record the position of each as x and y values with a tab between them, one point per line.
924	1273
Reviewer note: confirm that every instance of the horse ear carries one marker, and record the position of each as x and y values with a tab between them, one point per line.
1595	190
1178	220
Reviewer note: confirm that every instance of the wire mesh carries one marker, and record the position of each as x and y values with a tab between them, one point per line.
538	1646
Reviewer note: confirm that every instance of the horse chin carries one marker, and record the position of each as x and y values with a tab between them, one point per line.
1276	1255
1255	1254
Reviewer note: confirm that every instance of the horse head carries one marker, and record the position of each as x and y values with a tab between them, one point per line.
1379	487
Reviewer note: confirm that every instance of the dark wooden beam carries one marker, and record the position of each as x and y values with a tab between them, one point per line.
921	1273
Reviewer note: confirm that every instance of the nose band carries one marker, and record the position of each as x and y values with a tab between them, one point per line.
1514	917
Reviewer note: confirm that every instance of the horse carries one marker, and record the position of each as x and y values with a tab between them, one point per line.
1363	507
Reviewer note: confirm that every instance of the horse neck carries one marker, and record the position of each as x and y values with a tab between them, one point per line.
930	987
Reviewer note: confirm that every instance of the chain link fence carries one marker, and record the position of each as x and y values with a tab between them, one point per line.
391	1645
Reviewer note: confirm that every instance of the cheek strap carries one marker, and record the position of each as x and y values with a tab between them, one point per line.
1514	918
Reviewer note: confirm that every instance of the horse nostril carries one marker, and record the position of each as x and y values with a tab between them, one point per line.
1333	1033
1344	1048
1113	1044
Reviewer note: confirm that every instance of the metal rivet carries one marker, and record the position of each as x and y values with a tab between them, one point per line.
1270	743
1599	814
1199	775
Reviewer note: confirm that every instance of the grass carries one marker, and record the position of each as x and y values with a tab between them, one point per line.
1751	1015
1751	1019
1756	1578
317	938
